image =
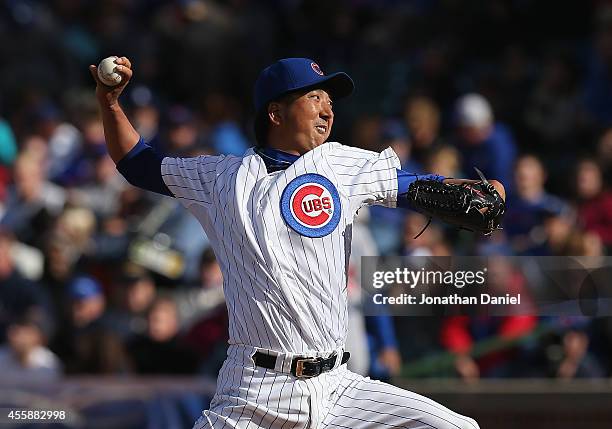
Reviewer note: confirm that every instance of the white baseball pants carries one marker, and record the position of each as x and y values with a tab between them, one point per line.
250	397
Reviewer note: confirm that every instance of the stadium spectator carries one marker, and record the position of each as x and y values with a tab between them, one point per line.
8	153
25	357
445	160
385	358
33	201
135	291
422	118
575	346
367	132
558	230
66	245
221	115
371	333
584	243
63	138
529	206
483	142
572	338
594	201
145	113
203	296
182	135
101	193
203	313
18	294
161	350
88	302
462	334
186	236
86	343
8	144
394	134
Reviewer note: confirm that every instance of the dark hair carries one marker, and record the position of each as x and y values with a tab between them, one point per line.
208	257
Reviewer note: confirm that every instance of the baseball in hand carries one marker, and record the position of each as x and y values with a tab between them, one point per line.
107	73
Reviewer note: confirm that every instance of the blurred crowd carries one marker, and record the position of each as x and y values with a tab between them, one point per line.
98	277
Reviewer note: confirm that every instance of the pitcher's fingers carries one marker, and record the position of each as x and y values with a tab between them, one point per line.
124	61
126	73
94	73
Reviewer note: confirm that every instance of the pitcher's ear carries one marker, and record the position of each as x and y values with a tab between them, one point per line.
275	113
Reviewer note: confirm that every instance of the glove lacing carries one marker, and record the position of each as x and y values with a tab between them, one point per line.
457	202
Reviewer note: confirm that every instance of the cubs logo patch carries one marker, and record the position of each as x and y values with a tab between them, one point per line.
316	68
310	205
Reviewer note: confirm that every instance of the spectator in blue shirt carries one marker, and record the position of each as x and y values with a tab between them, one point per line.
530	207
385	358
483	142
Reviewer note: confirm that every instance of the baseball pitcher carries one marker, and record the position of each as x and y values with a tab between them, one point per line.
280	220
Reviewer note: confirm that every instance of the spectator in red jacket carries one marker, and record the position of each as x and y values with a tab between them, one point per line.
594	201
459	334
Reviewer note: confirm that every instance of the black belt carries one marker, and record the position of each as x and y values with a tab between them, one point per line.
301	366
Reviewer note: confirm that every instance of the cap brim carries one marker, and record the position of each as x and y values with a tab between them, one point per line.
338	85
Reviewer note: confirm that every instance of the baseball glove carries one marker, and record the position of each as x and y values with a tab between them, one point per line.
475	206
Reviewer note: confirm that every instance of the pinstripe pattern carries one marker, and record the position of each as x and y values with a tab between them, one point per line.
287	292
249	397
363	403
252	397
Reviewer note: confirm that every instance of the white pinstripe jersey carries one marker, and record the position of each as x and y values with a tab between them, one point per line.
283	239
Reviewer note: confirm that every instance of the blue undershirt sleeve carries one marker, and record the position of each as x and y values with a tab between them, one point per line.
141	167
404	179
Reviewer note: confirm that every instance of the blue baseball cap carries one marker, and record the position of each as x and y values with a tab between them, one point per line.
82	288
293	74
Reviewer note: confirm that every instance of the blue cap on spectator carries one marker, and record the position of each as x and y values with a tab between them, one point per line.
292	74
83	288
142	96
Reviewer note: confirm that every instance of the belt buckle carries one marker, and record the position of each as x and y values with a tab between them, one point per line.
299	367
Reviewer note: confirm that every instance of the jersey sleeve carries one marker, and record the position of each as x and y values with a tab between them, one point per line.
191	180
141	167
367	177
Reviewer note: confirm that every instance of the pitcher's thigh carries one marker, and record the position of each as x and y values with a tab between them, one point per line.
257	398
368	404
251	416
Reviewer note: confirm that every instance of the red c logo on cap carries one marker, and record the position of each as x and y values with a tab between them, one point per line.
316	68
